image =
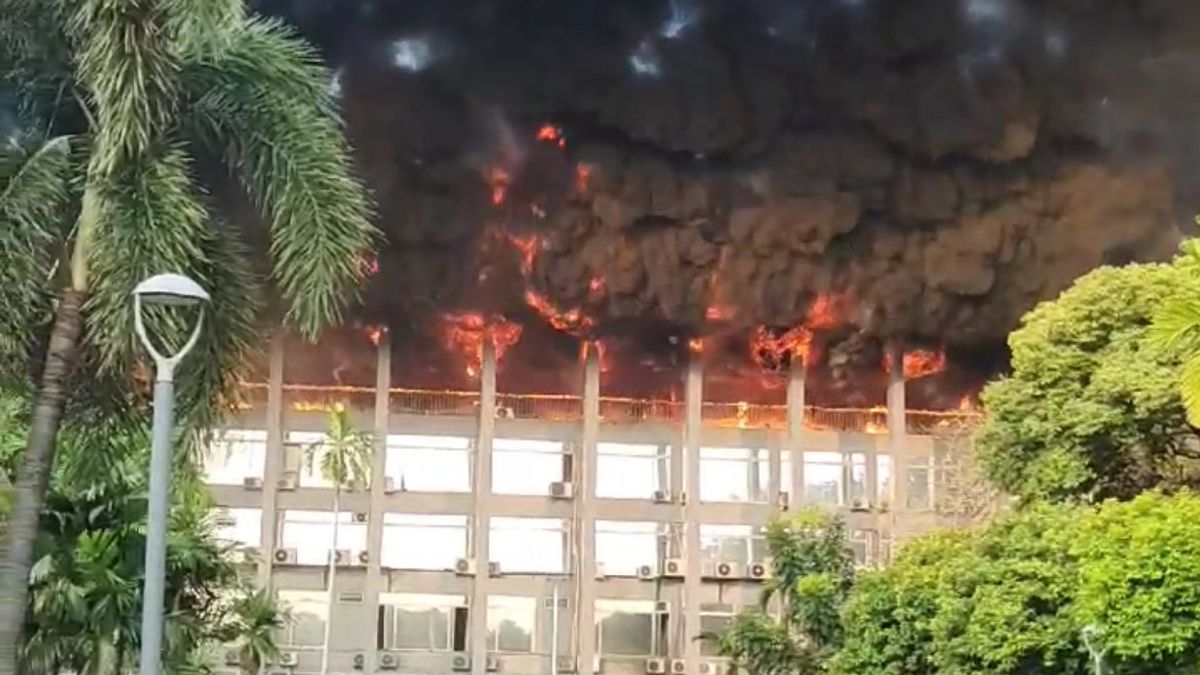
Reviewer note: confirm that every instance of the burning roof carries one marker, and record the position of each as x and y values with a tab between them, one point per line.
810	178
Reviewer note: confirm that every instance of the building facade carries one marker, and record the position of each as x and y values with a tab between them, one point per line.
556	534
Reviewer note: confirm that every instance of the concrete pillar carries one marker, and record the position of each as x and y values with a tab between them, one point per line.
376	581
693	401
795	430
585	519
897	428
480	522
774	470
273	463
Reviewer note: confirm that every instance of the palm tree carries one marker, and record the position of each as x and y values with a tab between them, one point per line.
345	461
255	621
1176	328
125	115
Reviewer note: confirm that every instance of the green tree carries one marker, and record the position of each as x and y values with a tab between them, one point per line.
254	620
1014	597
124	107
1091	409
1176	328
344	457
812	572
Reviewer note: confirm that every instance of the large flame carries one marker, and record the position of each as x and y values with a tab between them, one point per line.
919	363
569	321
465	333
775	351
549	133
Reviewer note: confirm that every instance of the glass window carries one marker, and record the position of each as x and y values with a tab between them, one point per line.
423	542
309	610
824	478
858	478
523	467
419	622
714	618
428	463
729	543
884	473
627	471
623	546
785	476
529	545
241	527
861	543
511	623
918	484
730	475
626	627
309	451
235	455
311	534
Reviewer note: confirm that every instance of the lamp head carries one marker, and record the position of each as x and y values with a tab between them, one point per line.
170	289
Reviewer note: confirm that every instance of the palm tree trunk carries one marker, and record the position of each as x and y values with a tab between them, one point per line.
33	476
337	509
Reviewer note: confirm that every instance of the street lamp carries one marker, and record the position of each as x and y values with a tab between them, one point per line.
1091	635
165	290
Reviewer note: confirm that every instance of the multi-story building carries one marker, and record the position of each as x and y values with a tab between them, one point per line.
553	534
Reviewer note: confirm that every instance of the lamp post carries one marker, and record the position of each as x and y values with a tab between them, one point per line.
1091	638
166	290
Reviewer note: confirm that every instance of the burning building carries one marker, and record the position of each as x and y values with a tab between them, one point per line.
713	232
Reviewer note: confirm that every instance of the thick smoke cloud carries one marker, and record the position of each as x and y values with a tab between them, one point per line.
937	165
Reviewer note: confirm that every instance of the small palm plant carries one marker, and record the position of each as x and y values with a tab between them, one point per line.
344	458
255	622
1176	328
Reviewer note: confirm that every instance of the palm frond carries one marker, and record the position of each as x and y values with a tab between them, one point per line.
264	105
201	25
129	65
1189	388
1176	325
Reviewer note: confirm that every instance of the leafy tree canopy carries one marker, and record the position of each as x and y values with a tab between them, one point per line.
1014	597
1092	408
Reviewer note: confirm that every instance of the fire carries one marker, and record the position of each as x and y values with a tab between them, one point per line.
552	134
696	345
571	321
919	363
583	174
823	312
374	334
967	403
873	426
773	351
466	331
596	286
499	180
743	414
527	246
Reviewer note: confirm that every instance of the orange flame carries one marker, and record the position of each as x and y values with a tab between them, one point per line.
596	286
823	313
465	332
773	352
528	247
967	403
919	363
499	180
743	414
552	134
374	334
696	345
873	426
571	321
583	174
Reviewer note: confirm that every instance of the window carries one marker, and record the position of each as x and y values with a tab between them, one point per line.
422	622
428	463
242	527
714	618
421	542
858	478
309	450
311	534
623	546
785	476
824	478
627	471
731	475
732	543
884	474
523	467
235	455
918	484
511	623
529	545
862	544
627	628
309	610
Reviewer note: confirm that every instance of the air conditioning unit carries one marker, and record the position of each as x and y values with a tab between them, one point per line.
285	556
233	657
252	483
647	572
709	668
360	661
562	490
363	558
289	659
674	568
360	516
785	500
656	666
492	663
389	485
460	663
341	556
388	661
859	505
759	570
661	497
678	667
565	664
288	482
464	567
726	570
493	569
